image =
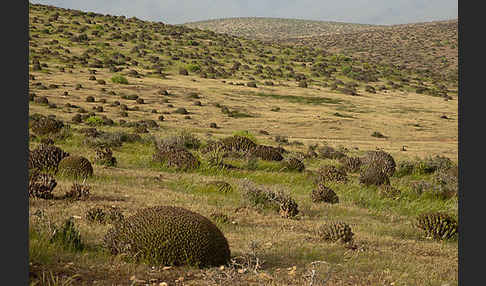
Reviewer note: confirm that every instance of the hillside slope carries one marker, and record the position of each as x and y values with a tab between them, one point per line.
430	47
269	29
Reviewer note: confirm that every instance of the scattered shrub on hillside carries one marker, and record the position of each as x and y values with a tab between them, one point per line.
432	164
373	175
328	152
324	194
293	164
381	160
215	158
175	157
405	168
335	231
41	185
167	235
378	135
446	182
332	173
351	164
104	156
437	225
46	157
267	153
78	191
44	125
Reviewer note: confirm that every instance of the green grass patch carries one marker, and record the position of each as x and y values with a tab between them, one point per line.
301	99
119	79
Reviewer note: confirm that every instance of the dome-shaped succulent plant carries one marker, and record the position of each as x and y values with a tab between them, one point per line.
373	175
382	160
46	157
324	194
332	173
351	164
41	185
168	235
437	225
267	153
336	231
44	125
293	164
175	157
238	143
75	166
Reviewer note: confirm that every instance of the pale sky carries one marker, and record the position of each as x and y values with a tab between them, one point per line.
382	12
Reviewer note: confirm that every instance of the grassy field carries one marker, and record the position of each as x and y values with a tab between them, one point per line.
387	248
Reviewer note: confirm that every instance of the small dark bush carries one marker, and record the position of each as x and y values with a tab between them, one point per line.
78	192
41	185
378	135
175	157
293	164
46	157
381	160
336	231
104	156
181	110
373	175
324	194
351	164
331	173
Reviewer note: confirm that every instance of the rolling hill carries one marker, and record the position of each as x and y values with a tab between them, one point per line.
430	47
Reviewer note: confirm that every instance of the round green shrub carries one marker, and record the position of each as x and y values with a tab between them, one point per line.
75	166
168	235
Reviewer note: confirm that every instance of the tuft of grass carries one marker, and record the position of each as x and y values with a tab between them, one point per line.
119	79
